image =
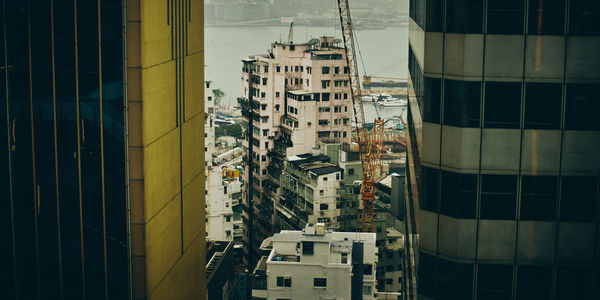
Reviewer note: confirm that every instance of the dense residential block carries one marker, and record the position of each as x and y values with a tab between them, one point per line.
294	98
317	263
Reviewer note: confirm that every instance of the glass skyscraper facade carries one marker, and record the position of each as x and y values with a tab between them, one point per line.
503	162
72	167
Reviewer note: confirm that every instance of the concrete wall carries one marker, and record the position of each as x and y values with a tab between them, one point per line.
166	150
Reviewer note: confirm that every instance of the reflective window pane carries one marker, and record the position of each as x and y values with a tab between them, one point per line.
546	17
464	16
429	189
502	105
494	282
584	16
538	198
505	16
434	15
583	105
574	283
431	100
542	105
459	195
461	103
578	198
498	197
534	283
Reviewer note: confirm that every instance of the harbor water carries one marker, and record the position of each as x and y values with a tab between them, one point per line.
383	52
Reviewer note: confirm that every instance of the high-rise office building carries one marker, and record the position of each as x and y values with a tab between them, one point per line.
102	180
503	156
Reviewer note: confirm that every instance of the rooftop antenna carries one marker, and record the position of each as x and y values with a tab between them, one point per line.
291	34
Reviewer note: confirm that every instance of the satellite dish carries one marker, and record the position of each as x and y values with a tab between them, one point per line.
337	41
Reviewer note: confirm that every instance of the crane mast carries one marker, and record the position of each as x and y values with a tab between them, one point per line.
369	143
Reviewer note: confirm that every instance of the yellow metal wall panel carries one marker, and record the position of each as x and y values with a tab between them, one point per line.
194	85
139	277
136	200
163	243
161	173
155	32
193	148
196	28
135	123
193	210
134	83
187	280
159	108
133	43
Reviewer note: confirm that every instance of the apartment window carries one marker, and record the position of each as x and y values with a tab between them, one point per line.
307	82
325	83
337	176
324	70
277	105
429	189
286	68
584	16
264	119
574	283
284	281
434	14
546	17
461	103
502	105
265	132
494	281
324	109
309	70
346	70
538	198
345	96
323	206
459	195
264	172
286	81
350	171
276	94
583	105
498	197
301	68
264	81
534	282
296	68
346	121
431	100
505	16
542	105
367	269
464	16
321	193
578	198
278	69
323	122
296	81
325	178
325	97
263	107
336	96
367	290
344	258
320	282
266	69
227	219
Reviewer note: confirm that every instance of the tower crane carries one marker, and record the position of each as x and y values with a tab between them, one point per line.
370	143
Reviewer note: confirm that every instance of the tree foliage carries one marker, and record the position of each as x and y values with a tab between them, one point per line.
219	94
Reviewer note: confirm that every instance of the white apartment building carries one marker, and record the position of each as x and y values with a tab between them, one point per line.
219	189
309	192
295	97
317	263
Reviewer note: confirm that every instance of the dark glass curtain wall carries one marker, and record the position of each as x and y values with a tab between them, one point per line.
62	150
